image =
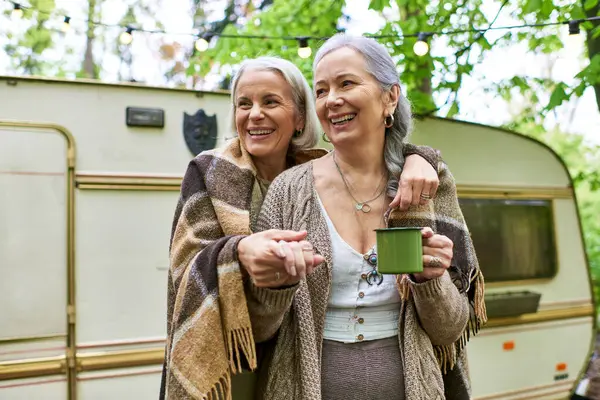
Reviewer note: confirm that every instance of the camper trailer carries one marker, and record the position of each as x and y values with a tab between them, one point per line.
89	180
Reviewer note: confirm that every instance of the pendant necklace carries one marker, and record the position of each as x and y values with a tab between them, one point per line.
359	205
373	276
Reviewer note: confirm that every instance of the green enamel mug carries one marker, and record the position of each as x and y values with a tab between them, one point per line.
399	250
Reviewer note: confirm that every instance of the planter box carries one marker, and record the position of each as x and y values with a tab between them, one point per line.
511	304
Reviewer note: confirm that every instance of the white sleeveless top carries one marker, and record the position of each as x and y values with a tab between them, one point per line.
356	310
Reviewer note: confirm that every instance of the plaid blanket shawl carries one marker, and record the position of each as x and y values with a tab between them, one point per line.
445	217
207	318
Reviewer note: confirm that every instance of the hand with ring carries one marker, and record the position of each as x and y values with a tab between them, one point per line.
276	258
418	183
437	255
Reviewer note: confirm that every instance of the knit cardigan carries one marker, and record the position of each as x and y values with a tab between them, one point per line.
435	320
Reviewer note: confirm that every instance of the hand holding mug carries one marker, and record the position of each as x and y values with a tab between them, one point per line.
437	255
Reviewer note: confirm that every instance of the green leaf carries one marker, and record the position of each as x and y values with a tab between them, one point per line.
577	13
559	95
547	8
412	25
580	89
532	6
378	5
453	110
589	4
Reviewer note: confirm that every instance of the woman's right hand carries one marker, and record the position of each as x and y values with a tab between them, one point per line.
276	258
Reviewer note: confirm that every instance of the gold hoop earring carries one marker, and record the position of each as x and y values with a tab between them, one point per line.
325	138
389	121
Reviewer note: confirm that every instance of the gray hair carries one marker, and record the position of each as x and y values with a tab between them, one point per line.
301	92
382	67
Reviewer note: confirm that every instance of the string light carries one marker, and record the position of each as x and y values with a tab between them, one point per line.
66	24
304	51
421	47
127	36
203	42
17	11
574	28
573	40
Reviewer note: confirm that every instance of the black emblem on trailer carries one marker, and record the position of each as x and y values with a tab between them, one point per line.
200	131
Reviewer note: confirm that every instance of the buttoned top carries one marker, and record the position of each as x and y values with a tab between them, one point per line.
358	310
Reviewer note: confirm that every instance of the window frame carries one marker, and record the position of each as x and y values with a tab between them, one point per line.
497	193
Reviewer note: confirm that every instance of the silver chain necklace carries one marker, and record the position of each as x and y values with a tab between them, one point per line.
364	205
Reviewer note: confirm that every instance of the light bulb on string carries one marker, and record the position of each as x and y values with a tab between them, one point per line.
573	40
303	50
574	28
202	43
127	36
66	24
421	47
17	11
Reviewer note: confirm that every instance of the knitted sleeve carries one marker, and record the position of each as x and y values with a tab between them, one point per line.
442	310
430	154
266	306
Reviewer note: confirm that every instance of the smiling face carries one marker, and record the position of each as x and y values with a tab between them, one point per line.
265	114
350	103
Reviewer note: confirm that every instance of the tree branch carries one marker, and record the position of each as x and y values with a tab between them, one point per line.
461	51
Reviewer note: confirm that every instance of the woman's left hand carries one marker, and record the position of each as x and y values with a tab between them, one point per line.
418	183
437	255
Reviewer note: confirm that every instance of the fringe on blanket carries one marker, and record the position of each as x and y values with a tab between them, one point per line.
447	355
241	339
221	390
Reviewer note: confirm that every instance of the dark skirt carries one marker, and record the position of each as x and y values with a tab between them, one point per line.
370	370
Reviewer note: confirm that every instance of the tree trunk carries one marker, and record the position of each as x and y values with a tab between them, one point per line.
89	66
593	46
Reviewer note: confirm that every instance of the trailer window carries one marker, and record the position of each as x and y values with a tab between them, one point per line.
513	239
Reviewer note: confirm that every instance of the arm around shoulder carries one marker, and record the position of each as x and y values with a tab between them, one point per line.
431	155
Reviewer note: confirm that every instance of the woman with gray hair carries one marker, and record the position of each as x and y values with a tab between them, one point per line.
218	267
348	332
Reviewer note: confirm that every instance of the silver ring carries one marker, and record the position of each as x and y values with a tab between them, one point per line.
435	262
277	276
425	196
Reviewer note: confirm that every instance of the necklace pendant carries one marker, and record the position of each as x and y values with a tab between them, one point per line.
371	258
364	207
374	277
